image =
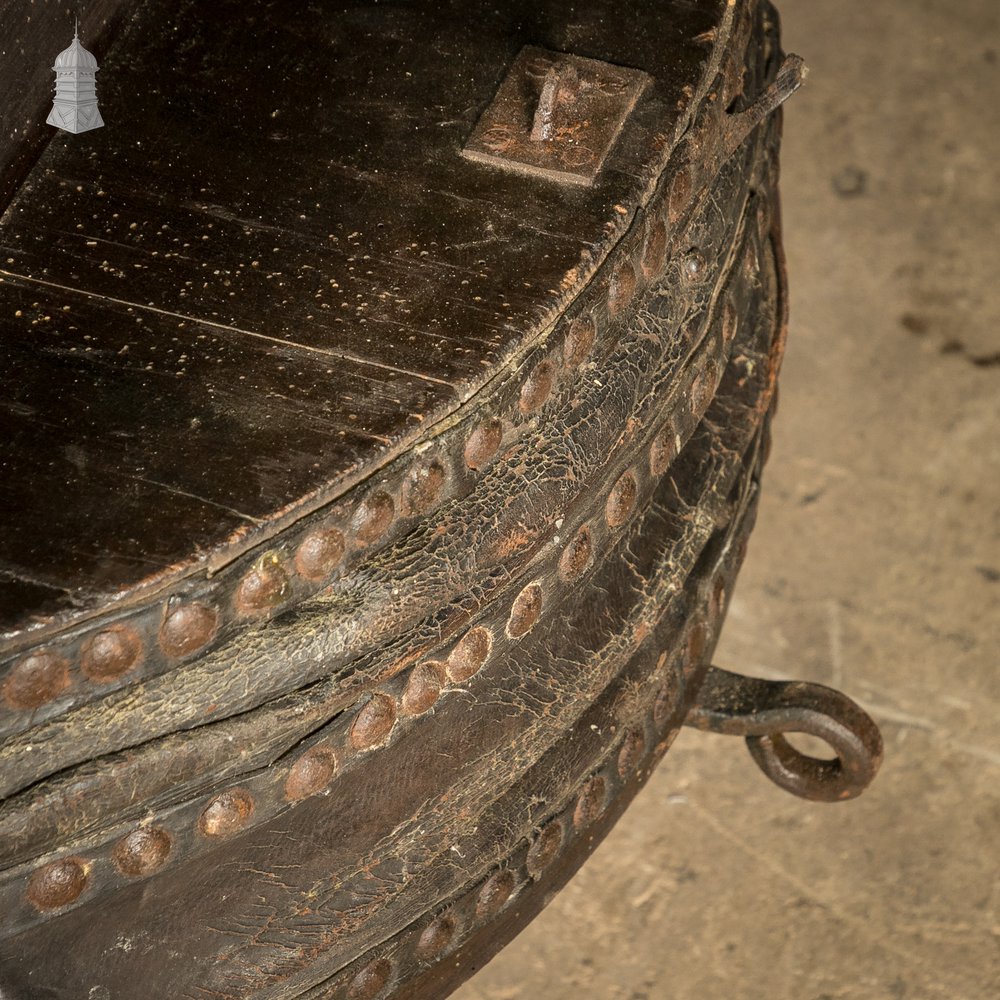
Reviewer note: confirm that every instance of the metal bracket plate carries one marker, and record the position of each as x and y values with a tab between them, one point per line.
556	115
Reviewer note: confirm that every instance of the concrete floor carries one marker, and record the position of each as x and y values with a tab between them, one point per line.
875	567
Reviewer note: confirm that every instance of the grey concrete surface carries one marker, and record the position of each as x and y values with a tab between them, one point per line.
875	567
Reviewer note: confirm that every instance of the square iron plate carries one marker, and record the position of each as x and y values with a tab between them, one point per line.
556	115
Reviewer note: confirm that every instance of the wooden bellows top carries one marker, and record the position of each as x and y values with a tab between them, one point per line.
272	272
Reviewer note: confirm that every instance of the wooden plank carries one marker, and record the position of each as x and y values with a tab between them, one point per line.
186	433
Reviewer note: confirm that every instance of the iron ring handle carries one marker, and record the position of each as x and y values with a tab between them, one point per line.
763	711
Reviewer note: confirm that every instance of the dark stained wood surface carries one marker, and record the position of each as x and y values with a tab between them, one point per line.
273	270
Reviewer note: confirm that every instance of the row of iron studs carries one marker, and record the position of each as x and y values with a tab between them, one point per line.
147	848
442	934
108	655
633	758
111	653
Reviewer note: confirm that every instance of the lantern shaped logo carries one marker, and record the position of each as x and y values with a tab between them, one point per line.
75	105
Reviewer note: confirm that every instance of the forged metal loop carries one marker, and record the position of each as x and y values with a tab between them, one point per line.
737	127
763	711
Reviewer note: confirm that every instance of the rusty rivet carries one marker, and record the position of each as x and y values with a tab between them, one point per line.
58	884
36	679
654	253
576	556
311	773
632	749
142	852
372	518
264	587
483	443
319	553
226	813
694	267
470	653
110	653
590	803
545	848
537	387
525	610
621	500
666	700
580	339
680	194
494	893
729	322
423	688
374	722
663	449
371	980
499	138
436	937
422	487
576	155
187	627
622	287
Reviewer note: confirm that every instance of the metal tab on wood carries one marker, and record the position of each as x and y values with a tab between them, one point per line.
556	115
